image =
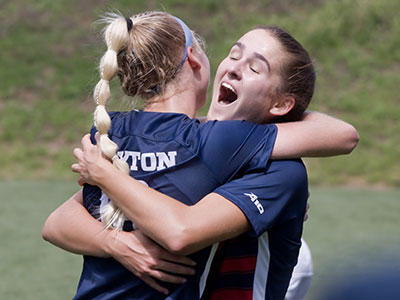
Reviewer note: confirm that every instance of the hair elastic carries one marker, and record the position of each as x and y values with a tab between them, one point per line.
188	42
129	23
188	39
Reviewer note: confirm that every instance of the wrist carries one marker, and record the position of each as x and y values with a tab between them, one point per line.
110	240
98	171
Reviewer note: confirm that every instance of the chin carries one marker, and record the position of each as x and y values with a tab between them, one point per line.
216	116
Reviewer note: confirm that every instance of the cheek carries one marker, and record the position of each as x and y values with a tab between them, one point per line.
255	88
266	88
222	68
258	98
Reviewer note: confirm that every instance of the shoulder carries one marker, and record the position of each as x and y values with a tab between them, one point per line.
156	125
290	171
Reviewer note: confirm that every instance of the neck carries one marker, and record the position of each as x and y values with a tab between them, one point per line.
183	102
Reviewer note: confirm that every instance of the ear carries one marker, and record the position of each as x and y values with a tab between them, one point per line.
282	106
193	58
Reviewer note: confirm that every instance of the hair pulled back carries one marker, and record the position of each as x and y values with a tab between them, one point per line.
144	52
297	73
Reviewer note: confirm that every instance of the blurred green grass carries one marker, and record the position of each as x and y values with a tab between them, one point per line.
348	230
50	52
30	268
351	232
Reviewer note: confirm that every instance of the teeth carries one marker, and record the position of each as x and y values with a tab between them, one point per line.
228	86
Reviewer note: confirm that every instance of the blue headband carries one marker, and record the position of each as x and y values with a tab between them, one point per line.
188	39
188	43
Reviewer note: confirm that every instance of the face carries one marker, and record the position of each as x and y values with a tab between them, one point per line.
246	78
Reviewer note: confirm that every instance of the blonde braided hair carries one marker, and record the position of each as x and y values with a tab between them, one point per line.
145	59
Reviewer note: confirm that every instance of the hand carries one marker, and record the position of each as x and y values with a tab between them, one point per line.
306	214
90	159
147	260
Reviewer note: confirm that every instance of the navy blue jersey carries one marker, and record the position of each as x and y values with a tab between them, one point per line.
258	265
184	159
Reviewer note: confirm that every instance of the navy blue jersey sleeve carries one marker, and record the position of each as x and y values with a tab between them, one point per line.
230	146
270	198
93	131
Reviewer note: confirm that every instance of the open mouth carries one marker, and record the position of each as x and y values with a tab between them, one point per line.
227	94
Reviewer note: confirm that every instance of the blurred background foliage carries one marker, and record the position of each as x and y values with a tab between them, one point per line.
50	51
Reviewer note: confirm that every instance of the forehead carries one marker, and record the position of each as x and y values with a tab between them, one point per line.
262	42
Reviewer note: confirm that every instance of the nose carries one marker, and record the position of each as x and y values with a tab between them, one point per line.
234	71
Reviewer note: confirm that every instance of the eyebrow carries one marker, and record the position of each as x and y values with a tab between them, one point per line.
255	54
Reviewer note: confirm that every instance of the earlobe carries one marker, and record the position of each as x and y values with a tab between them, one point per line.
283	106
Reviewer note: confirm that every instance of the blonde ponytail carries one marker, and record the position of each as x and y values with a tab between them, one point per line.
146	59
116	36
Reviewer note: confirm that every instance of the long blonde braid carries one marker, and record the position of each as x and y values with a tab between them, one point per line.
116	37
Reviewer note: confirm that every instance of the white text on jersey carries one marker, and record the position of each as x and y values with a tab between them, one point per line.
257	203
150	161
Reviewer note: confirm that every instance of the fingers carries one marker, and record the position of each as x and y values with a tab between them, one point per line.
177	258
76	168
97	137
306	214
89	148
81	181
86	142
163	265
167	277
151	282
78	153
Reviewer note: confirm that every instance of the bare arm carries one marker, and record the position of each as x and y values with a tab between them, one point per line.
72	228
216	218
63	228
317	135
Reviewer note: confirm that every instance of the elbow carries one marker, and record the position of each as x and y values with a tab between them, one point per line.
47	230
46	233
180	242
351	141
180	247
176	246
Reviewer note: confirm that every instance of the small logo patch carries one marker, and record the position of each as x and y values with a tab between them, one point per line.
254	199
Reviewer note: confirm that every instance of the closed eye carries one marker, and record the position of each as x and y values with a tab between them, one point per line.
254	70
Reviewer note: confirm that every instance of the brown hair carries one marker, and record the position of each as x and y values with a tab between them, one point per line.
297	74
